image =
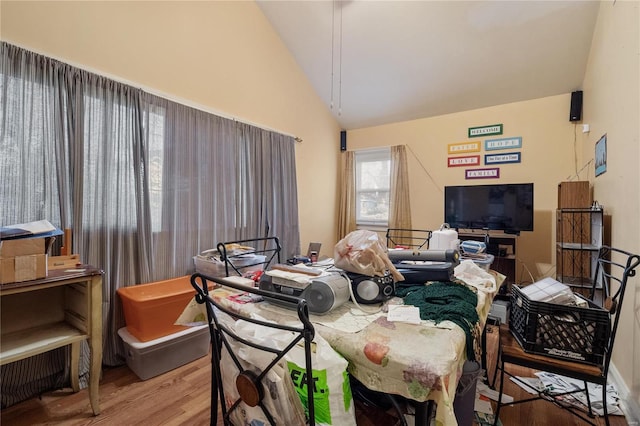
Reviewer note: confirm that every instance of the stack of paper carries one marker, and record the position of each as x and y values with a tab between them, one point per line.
560	384
39	228
550	291
556	384
483	412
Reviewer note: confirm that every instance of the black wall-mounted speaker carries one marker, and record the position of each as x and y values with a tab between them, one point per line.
343	140
575	113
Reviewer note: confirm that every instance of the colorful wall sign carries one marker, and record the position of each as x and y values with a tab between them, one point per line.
459	148
482	173
504	143
493	129
511	157
467	160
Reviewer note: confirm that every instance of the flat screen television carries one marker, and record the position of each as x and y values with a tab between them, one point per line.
506	207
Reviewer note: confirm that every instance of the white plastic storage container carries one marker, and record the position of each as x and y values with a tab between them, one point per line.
484	263
213	267
209	266
500	309
444	239
149	359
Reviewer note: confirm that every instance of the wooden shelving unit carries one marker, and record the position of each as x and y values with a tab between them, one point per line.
580	235
62	309
575	194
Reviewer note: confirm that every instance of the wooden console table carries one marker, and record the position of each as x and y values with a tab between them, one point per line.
62	309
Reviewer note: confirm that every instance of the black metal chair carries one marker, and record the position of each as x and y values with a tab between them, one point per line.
264	251
614	267
415	239
250	385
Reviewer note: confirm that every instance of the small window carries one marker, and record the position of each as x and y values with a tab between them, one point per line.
373	171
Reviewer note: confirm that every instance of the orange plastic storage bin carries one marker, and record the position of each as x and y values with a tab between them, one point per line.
150	310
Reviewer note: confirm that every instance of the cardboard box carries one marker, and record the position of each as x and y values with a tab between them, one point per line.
23	268
22	259
21	247
63	262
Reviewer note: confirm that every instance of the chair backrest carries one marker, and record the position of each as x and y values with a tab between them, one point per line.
416	239
264	251
252	383
613	269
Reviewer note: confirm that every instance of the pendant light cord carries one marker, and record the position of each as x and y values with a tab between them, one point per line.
333	20
340	70
333	42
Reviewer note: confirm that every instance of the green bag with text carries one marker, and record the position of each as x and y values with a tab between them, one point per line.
333	402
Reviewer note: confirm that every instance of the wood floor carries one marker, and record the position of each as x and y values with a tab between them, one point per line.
181	397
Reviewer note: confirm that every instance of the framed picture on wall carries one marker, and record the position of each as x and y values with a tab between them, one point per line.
601	155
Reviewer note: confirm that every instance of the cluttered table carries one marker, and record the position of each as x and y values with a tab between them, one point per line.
418	359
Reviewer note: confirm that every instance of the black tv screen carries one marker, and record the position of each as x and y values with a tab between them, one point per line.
506	207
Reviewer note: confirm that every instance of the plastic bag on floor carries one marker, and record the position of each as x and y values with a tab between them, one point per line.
333	403
280	398
332	399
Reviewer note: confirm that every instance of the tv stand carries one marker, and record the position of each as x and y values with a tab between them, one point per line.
501	245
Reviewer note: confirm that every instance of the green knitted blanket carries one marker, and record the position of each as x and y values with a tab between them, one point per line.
440	301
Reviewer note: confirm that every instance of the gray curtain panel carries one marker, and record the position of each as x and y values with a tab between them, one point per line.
144	183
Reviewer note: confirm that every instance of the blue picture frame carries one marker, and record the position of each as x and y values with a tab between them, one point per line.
601	155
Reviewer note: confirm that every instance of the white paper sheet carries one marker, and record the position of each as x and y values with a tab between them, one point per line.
404	313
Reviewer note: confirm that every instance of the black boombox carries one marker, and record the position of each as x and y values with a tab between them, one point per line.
371	289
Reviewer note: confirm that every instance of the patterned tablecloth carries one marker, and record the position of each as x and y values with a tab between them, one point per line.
418	361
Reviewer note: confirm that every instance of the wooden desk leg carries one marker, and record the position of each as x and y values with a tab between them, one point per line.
424	411
75	366
95	342
483	356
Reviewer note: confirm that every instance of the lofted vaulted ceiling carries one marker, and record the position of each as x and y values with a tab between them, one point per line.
378	62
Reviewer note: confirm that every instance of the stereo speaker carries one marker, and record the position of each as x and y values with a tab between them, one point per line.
575	114
324	294
369	289
343	140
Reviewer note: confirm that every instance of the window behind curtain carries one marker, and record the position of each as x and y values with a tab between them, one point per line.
28	143
373	181
109	172
155	122
145	183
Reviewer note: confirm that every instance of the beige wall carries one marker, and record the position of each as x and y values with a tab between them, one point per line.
554	150
548	153
612	106
222	57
